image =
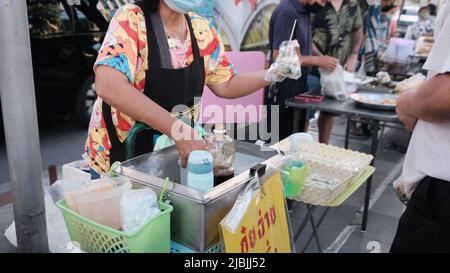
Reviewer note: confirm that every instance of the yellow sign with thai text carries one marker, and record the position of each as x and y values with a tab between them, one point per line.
264	227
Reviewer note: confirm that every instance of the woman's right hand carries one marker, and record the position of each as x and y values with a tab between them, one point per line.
185	147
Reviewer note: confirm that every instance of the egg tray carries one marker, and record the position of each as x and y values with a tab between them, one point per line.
332	156
324	183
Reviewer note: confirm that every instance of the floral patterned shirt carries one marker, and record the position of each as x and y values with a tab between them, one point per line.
332	30
125	49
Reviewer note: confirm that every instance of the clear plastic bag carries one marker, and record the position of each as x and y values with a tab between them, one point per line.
234	217
258	222
61	188
58	235
333	83
287	64
136	208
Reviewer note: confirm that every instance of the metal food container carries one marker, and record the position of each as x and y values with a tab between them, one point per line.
196	216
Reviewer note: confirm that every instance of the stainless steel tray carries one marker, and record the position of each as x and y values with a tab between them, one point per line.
374	100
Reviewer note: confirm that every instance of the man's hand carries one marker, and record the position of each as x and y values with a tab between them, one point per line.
350	64
328	63
402	105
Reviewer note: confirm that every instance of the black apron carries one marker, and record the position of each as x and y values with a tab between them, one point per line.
166	87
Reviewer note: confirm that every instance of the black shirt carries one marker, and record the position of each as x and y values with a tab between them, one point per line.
281	23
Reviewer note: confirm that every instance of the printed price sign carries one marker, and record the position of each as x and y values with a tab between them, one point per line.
263	227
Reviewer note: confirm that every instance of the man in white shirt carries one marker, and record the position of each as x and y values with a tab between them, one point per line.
425	225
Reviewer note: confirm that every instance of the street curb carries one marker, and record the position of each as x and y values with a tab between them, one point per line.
6	195
5	198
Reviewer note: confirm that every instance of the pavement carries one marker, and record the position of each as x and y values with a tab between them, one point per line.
340	230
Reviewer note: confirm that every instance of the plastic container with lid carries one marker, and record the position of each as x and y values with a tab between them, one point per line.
102	203
200	171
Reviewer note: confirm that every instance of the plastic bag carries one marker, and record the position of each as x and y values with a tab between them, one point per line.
58	235
137	207
400	191
287	64
234	217
61	188
258	222
101	201
333	83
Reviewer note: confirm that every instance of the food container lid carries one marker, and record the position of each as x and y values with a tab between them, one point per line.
200	162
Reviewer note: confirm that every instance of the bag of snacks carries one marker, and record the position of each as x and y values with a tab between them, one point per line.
287	64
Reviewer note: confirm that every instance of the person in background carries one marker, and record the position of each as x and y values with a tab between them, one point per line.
423	27
433	11
338	32
425	224
388	25
281	24
371	24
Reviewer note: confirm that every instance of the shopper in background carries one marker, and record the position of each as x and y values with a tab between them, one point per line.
371	23
423	27
388	25
425	224
281	24
338	32
433	11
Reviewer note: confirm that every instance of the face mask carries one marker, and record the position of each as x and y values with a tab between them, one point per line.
424	16
184	6
314	8
388	16
374	2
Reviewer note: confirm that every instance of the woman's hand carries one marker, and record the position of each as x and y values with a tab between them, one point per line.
187	140
185	147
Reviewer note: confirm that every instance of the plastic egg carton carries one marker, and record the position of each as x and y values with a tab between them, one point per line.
332	156
324	183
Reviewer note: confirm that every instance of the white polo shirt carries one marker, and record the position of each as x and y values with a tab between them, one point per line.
429	150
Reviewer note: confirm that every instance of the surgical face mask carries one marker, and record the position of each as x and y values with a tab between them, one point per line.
184	6
374	2
314	8
388	16
424	15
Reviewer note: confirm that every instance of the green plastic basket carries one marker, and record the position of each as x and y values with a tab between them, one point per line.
152	237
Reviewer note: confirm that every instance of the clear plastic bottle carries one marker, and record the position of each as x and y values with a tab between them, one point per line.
223	150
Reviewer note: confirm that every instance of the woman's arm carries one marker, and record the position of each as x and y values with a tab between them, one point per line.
113	87
240	85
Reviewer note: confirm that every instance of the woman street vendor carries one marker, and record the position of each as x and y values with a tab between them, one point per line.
157	54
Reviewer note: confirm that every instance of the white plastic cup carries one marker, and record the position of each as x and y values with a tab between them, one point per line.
297	139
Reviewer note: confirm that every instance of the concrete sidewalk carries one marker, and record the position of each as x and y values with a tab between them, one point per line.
340	231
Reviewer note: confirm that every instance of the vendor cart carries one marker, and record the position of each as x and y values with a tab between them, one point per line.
196	215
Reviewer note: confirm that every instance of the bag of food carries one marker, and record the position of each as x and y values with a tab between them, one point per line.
287	64
333	83
410	84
